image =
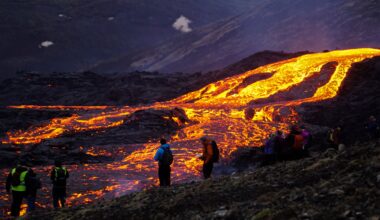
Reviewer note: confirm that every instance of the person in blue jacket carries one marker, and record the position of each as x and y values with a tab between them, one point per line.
164	156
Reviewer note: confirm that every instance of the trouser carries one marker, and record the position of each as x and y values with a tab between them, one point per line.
31	203
207	169
164	175
59	196
268	159
16	202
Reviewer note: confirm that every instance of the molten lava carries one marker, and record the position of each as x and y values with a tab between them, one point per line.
222	110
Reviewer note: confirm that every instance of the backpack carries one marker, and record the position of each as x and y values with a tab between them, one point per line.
167	157
60	176
36	183
298	142
16	177
215	150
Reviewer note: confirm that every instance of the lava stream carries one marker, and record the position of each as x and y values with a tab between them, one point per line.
219	110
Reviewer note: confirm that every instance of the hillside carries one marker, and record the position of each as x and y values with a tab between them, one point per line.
291	25
332	185
85	32
89	88
128	35
109	149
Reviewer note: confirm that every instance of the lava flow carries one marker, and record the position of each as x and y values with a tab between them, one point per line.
224	110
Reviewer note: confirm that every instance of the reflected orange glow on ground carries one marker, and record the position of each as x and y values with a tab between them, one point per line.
217	110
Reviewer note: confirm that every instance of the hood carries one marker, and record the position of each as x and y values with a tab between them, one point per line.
165	146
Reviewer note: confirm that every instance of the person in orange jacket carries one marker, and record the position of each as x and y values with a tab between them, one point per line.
209	156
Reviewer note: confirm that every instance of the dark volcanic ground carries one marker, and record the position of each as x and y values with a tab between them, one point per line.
133	88
357	99
332	185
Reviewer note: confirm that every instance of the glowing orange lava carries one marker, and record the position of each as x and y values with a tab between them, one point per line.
218	110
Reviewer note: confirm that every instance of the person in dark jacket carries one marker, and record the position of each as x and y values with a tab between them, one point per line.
335	137
294	143
279	148
306	134
16	185
207	157
32	185
58	176
163	166
373	128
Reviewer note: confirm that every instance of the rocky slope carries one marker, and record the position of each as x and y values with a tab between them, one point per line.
100	89
332	185
85	32
139	127
290	25
90	88
358	98
127	35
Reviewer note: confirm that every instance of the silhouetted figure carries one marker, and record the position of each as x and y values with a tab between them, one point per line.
164	156
269	145
58	176
32	185
278	147
295	143
335	137
209	156
308	138
372	128
16	184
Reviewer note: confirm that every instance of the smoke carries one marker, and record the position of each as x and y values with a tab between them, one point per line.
46	44
182	24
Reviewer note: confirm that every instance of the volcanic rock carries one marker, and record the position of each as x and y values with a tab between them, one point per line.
340	187
357	100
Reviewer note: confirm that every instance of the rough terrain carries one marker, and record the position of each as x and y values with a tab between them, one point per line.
332	185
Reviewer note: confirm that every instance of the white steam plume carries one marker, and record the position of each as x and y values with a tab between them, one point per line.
182	24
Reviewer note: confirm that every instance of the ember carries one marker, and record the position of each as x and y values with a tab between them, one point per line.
218	110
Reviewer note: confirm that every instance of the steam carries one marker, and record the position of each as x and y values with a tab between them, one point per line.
46	44
182	24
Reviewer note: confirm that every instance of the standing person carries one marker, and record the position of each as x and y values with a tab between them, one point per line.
269	155
164	156
278	148
269	144
58	176
373	128
210	156
306	134
295	143
15	184
335	137
32	185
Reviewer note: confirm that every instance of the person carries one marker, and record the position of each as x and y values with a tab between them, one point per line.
295	143
32	185
210	155
269	155
278	147
307	137
58	176
306	134
269	145
335	137
373	128
15	184
164	156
